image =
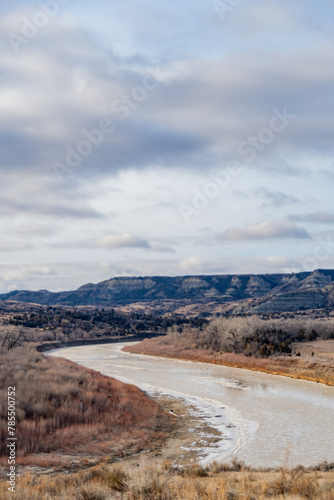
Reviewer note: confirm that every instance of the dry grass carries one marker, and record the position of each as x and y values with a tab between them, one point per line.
319	370
62	408
216	482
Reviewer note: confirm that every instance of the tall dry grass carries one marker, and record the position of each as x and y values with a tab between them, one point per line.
164	482
64	408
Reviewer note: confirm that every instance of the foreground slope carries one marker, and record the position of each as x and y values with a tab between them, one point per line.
65	411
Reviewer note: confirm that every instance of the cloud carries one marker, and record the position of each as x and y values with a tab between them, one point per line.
79	85
276	198
90	64
156	247
13	246
31	197
22	276
22	237
47	208
128	240
63	83
125	240
265	230
32	230
191	265
316	217
23	272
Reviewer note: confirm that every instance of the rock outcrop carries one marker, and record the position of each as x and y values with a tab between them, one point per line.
245	293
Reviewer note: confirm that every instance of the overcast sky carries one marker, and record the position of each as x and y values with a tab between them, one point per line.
164	138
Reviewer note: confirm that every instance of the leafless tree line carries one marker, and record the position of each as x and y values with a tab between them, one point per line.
252	335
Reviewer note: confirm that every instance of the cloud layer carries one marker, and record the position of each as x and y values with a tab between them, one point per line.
265	230
113	117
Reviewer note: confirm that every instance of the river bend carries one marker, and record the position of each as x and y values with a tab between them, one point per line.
261	417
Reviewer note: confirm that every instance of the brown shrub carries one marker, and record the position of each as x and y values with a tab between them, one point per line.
67	408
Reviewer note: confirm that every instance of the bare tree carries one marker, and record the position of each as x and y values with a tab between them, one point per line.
11	339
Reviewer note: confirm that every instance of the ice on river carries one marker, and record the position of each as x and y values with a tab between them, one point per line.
259	416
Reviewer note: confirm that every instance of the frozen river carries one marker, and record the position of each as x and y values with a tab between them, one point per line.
260	416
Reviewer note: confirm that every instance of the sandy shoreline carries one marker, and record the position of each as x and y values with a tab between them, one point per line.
215	432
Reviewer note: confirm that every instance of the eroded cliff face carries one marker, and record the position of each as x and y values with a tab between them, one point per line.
243	293
294	295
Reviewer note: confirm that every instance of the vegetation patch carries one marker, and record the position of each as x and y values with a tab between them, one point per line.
65	409
165	482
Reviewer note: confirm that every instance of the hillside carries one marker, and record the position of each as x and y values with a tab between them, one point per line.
66	412
263	293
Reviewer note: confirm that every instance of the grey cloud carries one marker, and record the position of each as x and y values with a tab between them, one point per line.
198	114
20	237
129	240
316	217
31	230
141	145
115	241
276	198
215	91
15	246
44	208
125	240
265	230
241	194
156	247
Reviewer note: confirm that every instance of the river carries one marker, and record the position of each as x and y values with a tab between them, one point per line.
262	418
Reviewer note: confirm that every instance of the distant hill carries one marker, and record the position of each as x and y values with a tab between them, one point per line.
241	293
